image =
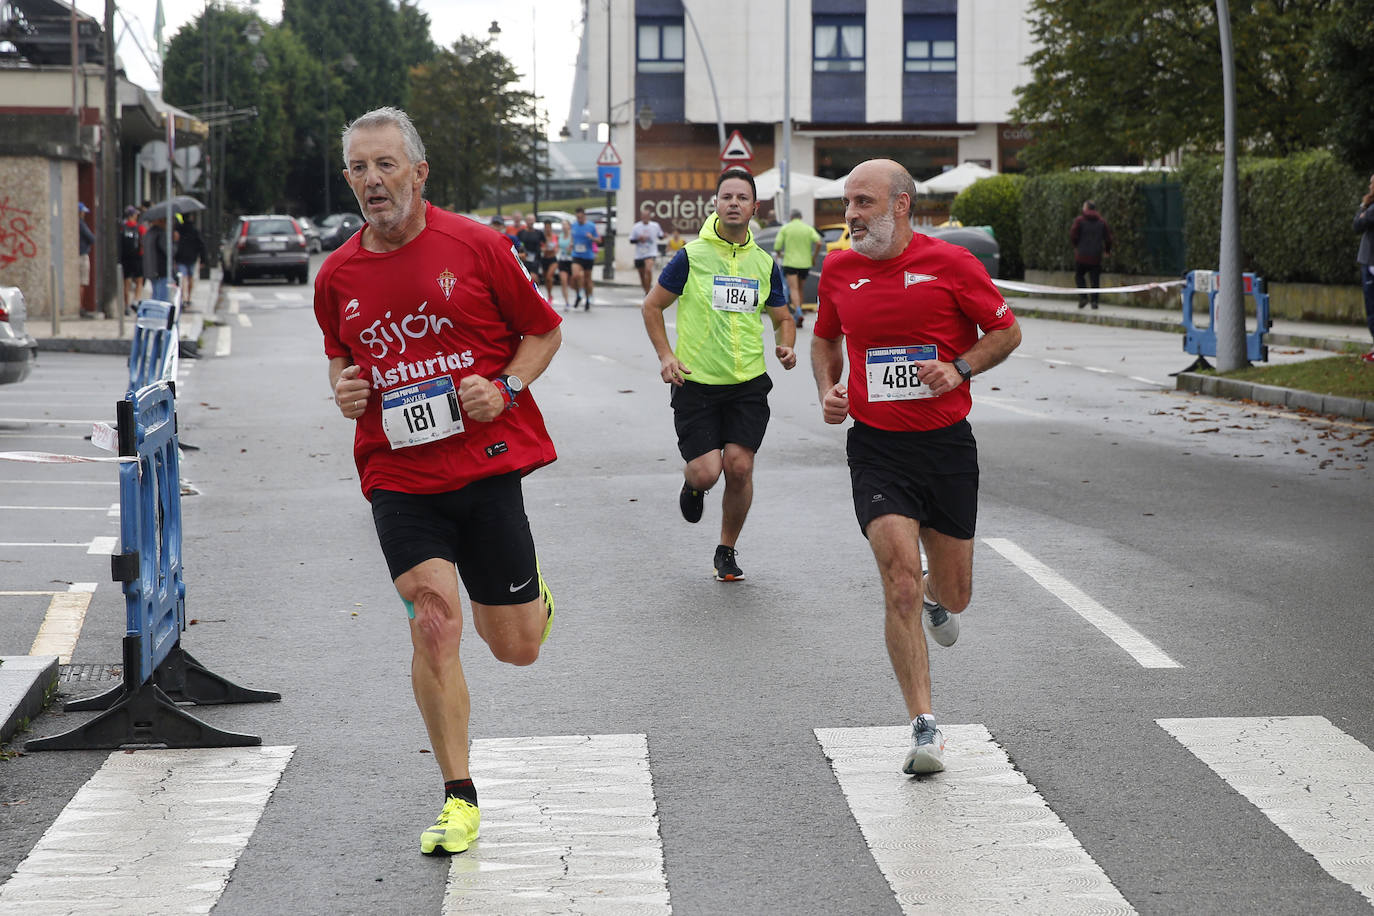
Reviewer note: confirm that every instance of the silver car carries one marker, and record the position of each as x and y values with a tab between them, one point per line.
262	245
18	351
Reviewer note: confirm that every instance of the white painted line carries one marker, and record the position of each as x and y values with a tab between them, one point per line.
600	358
224	338
153	831
243	320
1315	782
86	544
1001	404
1058	362
1150	381
103	545
1102	371
41	435
61	625
61	508
113	511
569	825
74	483
49	421
974	839
1113	627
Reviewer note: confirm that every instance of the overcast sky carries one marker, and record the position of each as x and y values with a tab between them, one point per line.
554	32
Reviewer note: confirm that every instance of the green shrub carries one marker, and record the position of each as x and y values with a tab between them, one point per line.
1295	216
996	202
1050	203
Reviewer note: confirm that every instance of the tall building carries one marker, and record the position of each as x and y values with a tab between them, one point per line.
928	83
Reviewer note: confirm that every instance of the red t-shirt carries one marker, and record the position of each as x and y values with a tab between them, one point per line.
453	301
933	294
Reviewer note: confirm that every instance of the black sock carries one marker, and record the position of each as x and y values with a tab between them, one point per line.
461	788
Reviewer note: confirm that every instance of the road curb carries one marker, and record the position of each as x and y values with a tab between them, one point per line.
1200	383
192	324
26	682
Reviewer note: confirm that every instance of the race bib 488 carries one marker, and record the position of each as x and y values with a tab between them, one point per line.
891	372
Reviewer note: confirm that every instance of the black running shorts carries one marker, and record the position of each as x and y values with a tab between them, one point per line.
928	475
708	416
802	272
482	528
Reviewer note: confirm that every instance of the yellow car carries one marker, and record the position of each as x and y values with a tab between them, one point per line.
834	235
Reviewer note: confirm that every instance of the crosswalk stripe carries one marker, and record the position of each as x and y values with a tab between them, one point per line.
62	623
1113	627
974	839
1315	782
569	825
153	831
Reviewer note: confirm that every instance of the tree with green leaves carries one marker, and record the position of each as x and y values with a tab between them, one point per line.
1115	82
464	107
1344	52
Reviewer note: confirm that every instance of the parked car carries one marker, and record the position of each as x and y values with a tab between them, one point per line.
265	245
977	239
834	235
337	228
311	233
18	351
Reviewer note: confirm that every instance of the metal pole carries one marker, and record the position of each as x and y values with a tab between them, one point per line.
608	268
720	122
786	170
1230	311
325	145
109	289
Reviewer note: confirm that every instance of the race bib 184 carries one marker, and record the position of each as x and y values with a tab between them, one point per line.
734	294
423	412
892	372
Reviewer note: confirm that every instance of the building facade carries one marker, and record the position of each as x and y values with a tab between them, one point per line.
928	83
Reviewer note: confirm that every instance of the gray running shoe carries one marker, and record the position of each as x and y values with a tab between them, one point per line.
942	626
927	754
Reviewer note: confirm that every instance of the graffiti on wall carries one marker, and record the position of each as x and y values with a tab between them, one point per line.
15	242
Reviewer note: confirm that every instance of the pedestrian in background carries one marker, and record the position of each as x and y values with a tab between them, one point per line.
155	245
906	309
800	245
675	243
1364	224
565	262
1092	241
548	258
83	261
190	249
531	247
646	234
585	238
131	232
722	282
445	429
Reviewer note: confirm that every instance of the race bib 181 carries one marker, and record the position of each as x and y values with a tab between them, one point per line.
892	372
423	412
734	294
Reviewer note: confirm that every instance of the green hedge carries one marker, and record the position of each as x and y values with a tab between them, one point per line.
1050	203
1295	216
996	202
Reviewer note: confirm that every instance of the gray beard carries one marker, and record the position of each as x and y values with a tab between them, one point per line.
881	230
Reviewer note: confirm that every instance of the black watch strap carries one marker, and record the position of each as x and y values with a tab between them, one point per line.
963	368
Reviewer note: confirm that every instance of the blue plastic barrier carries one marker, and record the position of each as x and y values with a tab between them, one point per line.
157	671
155	346
1203	341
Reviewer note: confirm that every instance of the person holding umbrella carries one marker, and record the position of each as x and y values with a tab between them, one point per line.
157	248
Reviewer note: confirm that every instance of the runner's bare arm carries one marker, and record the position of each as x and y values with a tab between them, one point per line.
350	390
655	304
827	365
784	335
991	349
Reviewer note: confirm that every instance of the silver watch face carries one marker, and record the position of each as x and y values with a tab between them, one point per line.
514	384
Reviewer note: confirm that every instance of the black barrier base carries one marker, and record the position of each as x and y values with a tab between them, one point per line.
142	714
1198	365
186	680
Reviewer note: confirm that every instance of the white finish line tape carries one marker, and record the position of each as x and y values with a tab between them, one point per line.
50	458
1017	286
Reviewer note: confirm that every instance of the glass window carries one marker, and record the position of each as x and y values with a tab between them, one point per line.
660	46
930	44
838	44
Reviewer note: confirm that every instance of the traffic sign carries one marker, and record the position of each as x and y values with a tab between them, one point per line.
737	150
608	155
608	177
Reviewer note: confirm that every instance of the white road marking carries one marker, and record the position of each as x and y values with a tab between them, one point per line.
153	831
1101	371
61	508
1150	381
243	320
224	338
569	825
61	625
103	545
1315	782
1058	362
1113	627
600	358
73	483
974	839
1001	404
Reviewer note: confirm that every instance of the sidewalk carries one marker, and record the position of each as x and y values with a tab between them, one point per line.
105	335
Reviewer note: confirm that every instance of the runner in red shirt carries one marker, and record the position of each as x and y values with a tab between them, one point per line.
433	330
908	309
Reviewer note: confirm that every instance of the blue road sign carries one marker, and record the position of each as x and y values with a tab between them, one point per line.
608	177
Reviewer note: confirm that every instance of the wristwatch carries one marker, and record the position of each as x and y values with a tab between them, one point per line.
961	367
510	386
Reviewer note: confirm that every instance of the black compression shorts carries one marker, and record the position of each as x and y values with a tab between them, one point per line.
928	475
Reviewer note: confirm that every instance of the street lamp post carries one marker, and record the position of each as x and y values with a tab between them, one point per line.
608	268
495	32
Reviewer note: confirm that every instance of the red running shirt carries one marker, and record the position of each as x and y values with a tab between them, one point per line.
933	294
452	302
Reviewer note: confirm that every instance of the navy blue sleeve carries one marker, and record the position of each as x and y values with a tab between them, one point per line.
674	276
777	296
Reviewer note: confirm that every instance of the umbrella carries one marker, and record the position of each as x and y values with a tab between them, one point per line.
957	178
179	204
769	183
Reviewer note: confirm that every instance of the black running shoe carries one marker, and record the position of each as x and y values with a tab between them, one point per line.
727	570
691	503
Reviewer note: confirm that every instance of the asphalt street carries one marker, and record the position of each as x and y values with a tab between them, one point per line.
1233	539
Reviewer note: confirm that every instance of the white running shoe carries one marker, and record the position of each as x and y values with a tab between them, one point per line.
942	626
927	754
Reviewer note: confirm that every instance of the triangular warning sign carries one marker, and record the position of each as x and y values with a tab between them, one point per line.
737	149
608	155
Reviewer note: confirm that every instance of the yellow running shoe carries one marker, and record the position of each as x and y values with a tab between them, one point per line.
454	831
547	594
